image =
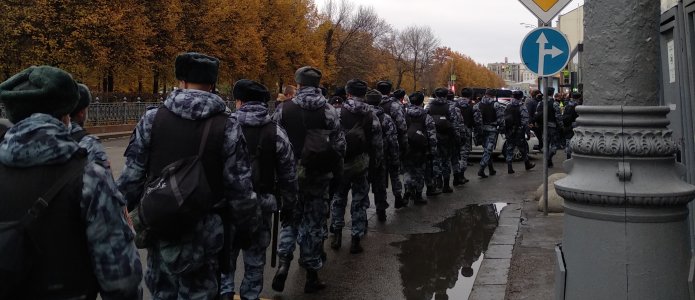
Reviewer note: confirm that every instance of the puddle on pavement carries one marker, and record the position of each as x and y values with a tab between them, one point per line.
444	265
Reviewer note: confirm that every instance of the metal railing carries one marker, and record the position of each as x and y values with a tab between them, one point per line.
105	114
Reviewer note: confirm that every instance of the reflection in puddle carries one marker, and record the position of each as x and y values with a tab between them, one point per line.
443	265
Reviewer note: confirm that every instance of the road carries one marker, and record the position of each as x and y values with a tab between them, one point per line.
412	239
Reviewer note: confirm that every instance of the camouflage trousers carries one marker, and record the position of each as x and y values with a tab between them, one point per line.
433	170
446	159
393	173
516	140
414	175
358	208
466	146
187	270
254	261
554	141
308	229
377	177
489	143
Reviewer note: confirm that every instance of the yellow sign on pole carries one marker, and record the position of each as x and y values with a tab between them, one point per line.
545	10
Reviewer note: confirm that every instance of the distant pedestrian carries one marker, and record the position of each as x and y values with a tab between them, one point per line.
76	235
392	107
554	124
489	117
569	119
516	119
422	137
95	150
450	129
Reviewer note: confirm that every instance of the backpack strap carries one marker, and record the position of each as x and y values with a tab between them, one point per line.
79	135
74	168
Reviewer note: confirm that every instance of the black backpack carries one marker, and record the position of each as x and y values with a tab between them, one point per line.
310	138
356	137
467	115
179	197
445	130
569	116
512	117
417	135
261	142
24	241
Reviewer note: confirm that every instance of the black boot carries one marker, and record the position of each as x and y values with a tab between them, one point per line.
550	163
401	202
355	247
313	283
439	185
528	165
481	172
431	191
446	188
337	239
281	274
491	169
510	170
324	255
417	198
381	215
458	179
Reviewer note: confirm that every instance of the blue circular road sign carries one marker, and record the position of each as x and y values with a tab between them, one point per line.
545	51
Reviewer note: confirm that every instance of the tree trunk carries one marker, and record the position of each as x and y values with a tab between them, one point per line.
155	83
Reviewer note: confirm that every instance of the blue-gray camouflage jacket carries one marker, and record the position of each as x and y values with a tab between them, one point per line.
454	117
397	114
44	140
197	105
256	114
358	106
390	137
414	111
95	151
310	98
478	116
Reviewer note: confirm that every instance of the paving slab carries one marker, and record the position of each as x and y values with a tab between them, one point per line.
499	251
488	292
493	271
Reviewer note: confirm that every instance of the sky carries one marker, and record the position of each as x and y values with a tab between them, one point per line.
486	30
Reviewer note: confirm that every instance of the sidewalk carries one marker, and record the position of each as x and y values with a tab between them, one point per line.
531	275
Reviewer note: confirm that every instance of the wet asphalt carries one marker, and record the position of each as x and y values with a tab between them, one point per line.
421	252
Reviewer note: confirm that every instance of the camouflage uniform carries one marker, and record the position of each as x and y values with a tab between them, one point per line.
377	174
516	137
256	114
309	229
357	182
200	257
489	131
43	140
397	114
554	139
449	153
95	149
467	138
415	171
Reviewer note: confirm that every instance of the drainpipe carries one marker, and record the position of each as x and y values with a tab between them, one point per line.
625	226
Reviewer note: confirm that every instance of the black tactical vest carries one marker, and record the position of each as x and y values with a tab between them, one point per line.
297	121
488	112
62	267
174	138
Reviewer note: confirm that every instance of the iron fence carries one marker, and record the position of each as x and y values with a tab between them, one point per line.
104	114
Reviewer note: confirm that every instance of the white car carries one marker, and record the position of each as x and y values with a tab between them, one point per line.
499	147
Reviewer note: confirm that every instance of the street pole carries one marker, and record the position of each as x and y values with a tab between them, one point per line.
545	147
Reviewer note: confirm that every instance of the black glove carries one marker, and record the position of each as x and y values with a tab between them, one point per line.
243	239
